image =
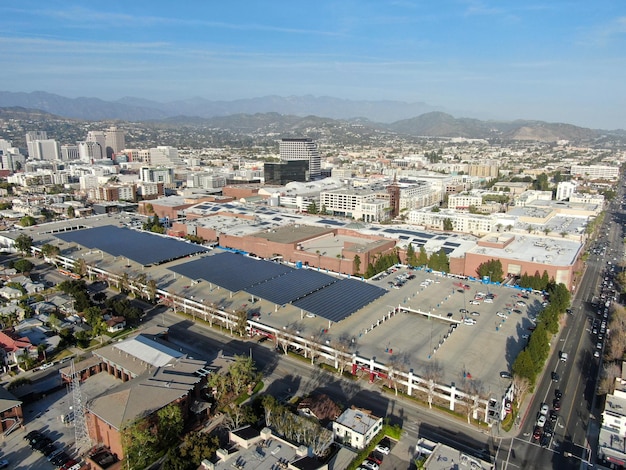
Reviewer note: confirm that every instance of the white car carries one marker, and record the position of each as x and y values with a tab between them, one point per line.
370	465
544	409
474	302
501	315
382	449
488	300
469	321
541	421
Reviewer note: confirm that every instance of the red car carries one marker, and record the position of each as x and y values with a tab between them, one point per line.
69	464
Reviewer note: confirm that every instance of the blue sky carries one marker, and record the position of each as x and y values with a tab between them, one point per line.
553	60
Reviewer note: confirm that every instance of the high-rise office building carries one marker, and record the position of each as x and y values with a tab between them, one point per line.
31	138
302	149
100	138
164	155
88	151
46	149
115	141
69	152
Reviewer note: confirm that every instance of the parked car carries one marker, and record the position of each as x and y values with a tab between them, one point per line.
60	459
32	435
370	465
506	374
48	449
541	421
376	458
4	463
383	449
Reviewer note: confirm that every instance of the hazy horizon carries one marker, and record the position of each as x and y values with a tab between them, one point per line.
558	61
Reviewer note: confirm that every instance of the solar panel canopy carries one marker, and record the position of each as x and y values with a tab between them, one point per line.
141	247
291	286
231	271
316	292
340	300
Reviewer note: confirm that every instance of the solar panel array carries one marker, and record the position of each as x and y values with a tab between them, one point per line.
291	286
141	247
231	271
313	291
340	300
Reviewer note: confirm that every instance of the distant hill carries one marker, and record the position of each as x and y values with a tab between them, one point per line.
267	127
90	109
444	125
137	109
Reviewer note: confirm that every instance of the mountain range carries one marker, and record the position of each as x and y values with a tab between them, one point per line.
137	109
295	116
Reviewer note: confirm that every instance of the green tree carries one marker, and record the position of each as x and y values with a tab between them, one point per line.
23	244
524	367
50	251
71	212
448	226
439	262
242	322
196	446
140	444
357	264
242	374
23	265
491	268
170	425
312	208
80	267
411	257
422	258
542	183
27	221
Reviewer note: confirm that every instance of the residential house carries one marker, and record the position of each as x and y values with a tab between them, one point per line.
10	293
115	324
15	346
356	427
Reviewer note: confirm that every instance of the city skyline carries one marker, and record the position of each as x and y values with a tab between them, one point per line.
560	61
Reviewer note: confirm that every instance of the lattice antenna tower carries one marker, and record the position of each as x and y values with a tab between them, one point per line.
80	421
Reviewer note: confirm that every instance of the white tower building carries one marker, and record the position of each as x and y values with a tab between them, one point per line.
301	149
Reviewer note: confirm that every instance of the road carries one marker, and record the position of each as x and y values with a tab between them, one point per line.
578	420
285	375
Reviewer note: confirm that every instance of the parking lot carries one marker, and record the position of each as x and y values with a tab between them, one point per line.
461	338
46	415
